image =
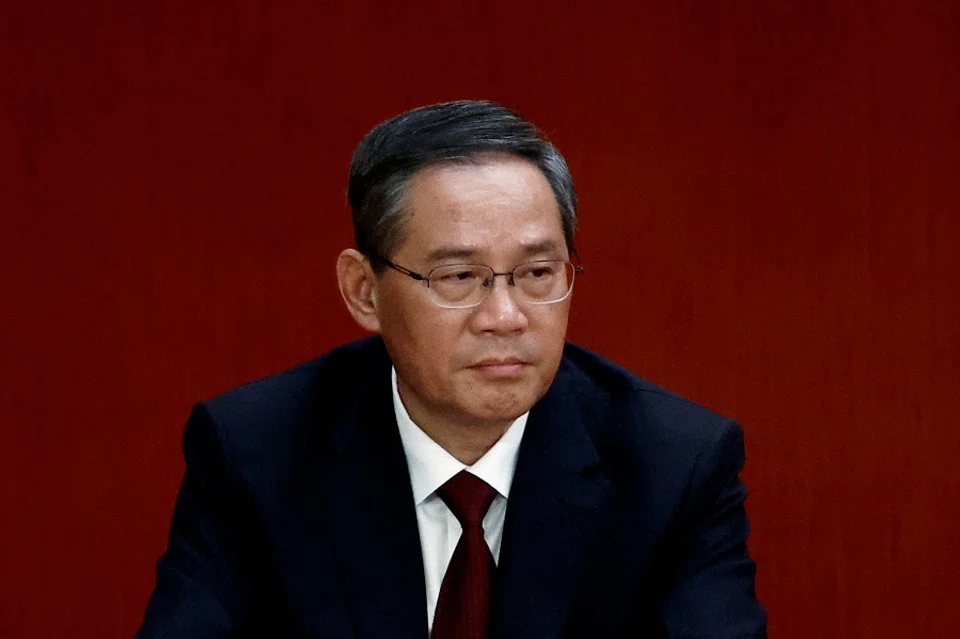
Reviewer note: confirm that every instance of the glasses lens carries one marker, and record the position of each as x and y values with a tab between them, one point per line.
460	284
545	281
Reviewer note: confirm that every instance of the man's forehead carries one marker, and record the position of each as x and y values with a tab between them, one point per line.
486	235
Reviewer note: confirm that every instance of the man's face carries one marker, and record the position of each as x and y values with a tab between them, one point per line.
486	365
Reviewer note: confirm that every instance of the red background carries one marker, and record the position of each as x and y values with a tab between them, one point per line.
769	223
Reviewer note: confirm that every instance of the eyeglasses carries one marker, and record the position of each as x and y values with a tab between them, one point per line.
467	285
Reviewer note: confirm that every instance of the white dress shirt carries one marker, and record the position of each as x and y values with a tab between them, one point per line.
430	467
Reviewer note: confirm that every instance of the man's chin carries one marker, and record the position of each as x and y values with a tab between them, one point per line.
500	412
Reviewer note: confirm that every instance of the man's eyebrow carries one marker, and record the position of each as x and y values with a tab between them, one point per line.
540	247
466	253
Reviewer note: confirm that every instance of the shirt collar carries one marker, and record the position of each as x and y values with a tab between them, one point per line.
431	466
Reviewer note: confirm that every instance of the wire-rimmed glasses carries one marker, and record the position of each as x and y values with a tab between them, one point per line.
467	285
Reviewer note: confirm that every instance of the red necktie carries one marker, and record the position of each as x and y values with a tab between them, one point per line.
464	603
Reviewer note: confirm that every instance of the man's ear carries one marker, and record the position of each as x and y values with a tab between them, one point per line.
358	287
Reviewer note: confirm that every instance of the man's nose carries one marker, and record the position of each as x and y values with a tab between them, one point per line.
499	311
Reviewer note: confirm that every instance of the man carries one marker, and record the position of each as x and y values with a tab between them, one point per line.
465	473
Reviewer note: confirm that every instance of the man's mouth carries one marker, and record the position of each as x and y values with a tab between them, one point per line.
494	367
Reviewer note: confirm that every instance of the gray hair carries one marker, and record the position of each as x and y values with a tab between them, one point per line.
462	132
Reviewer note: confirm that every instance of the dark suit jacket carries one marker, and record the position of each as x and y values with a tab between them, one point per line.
296	517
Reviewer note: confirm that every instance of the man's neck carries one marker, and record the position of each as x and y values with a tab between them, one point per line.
466	443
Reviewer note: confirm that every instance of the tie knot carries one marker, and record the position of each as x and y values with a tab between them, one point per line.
468	497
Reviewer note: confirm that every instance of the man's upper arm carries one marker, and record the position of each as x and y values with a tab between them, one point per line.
203	577
712	594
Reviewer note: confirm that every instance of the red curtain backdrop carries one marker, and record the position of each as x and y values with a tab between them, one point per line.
769	225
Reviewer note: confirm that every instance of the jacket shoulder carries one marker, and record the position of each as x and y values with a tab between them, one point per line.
663	447
637	406
305	399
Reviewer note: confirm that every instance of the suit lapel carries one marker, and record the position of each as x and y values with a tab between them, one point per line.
559	497
374	521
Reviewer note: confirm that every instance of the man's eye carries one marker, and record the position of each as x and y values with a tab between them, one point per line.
539	272
458	276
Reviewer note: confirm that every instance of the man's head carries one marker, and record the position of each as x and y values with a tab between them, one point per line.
457	132
451	184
